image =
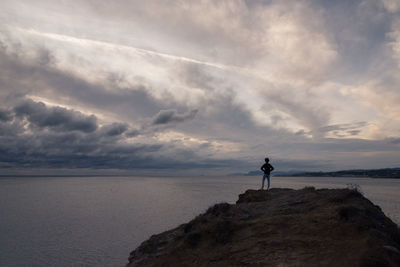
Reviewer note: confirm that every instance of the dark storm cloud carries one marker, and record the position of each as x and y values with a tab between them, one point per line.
5	115
133	133
55	118
172	116
73	150
115	129
93	150
11	128
75	141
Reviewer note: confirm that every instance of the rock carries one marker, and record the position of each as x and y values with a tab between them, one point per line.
280	227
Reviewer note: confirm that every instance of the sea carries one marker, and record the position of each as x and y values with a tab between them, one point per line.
98	221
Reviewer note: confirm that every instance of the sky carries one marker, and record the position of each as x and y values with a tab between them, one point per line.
198	87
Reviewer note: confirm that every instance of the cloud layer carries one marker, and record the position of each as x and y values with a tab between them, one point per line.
209	86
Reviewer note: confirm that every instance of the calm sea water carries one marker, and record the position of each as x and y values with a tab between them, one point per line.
97	221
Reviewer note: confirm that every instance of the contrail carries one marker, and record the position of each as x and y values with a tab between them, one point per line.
67	38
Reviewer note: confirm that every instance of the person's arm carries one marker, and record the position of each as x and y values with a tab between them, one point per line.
271	167
263	167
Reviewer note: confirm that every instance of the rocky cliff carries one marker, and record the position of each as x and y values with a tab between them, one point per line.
280	227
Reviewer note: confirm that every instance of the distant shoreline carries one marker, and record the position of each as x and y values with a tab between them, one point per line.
391	173
340	176
387	173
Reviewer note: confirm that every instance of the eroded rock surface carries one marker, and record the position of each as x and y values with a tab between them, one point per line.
280	227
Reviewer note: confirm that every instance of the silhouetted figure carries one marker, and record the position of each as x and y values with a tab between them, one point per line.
267	169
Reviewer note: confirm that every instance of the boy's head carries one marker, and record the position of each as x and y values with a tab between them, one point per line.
266	160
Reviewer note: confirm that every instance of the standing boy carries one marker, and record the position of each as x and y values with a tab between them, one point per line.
267	169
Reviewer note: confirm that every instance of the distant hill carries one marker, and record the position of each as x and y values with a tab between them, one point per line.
375	173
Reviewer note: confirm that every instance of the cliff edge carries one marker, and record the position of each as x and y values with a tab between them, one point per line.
280	227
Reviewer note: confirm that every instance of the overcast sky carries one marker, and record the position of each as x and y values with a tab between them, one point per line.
199	87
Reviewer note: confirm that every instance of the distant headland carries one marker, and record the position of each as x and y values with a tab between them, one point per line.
280	227
372	173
